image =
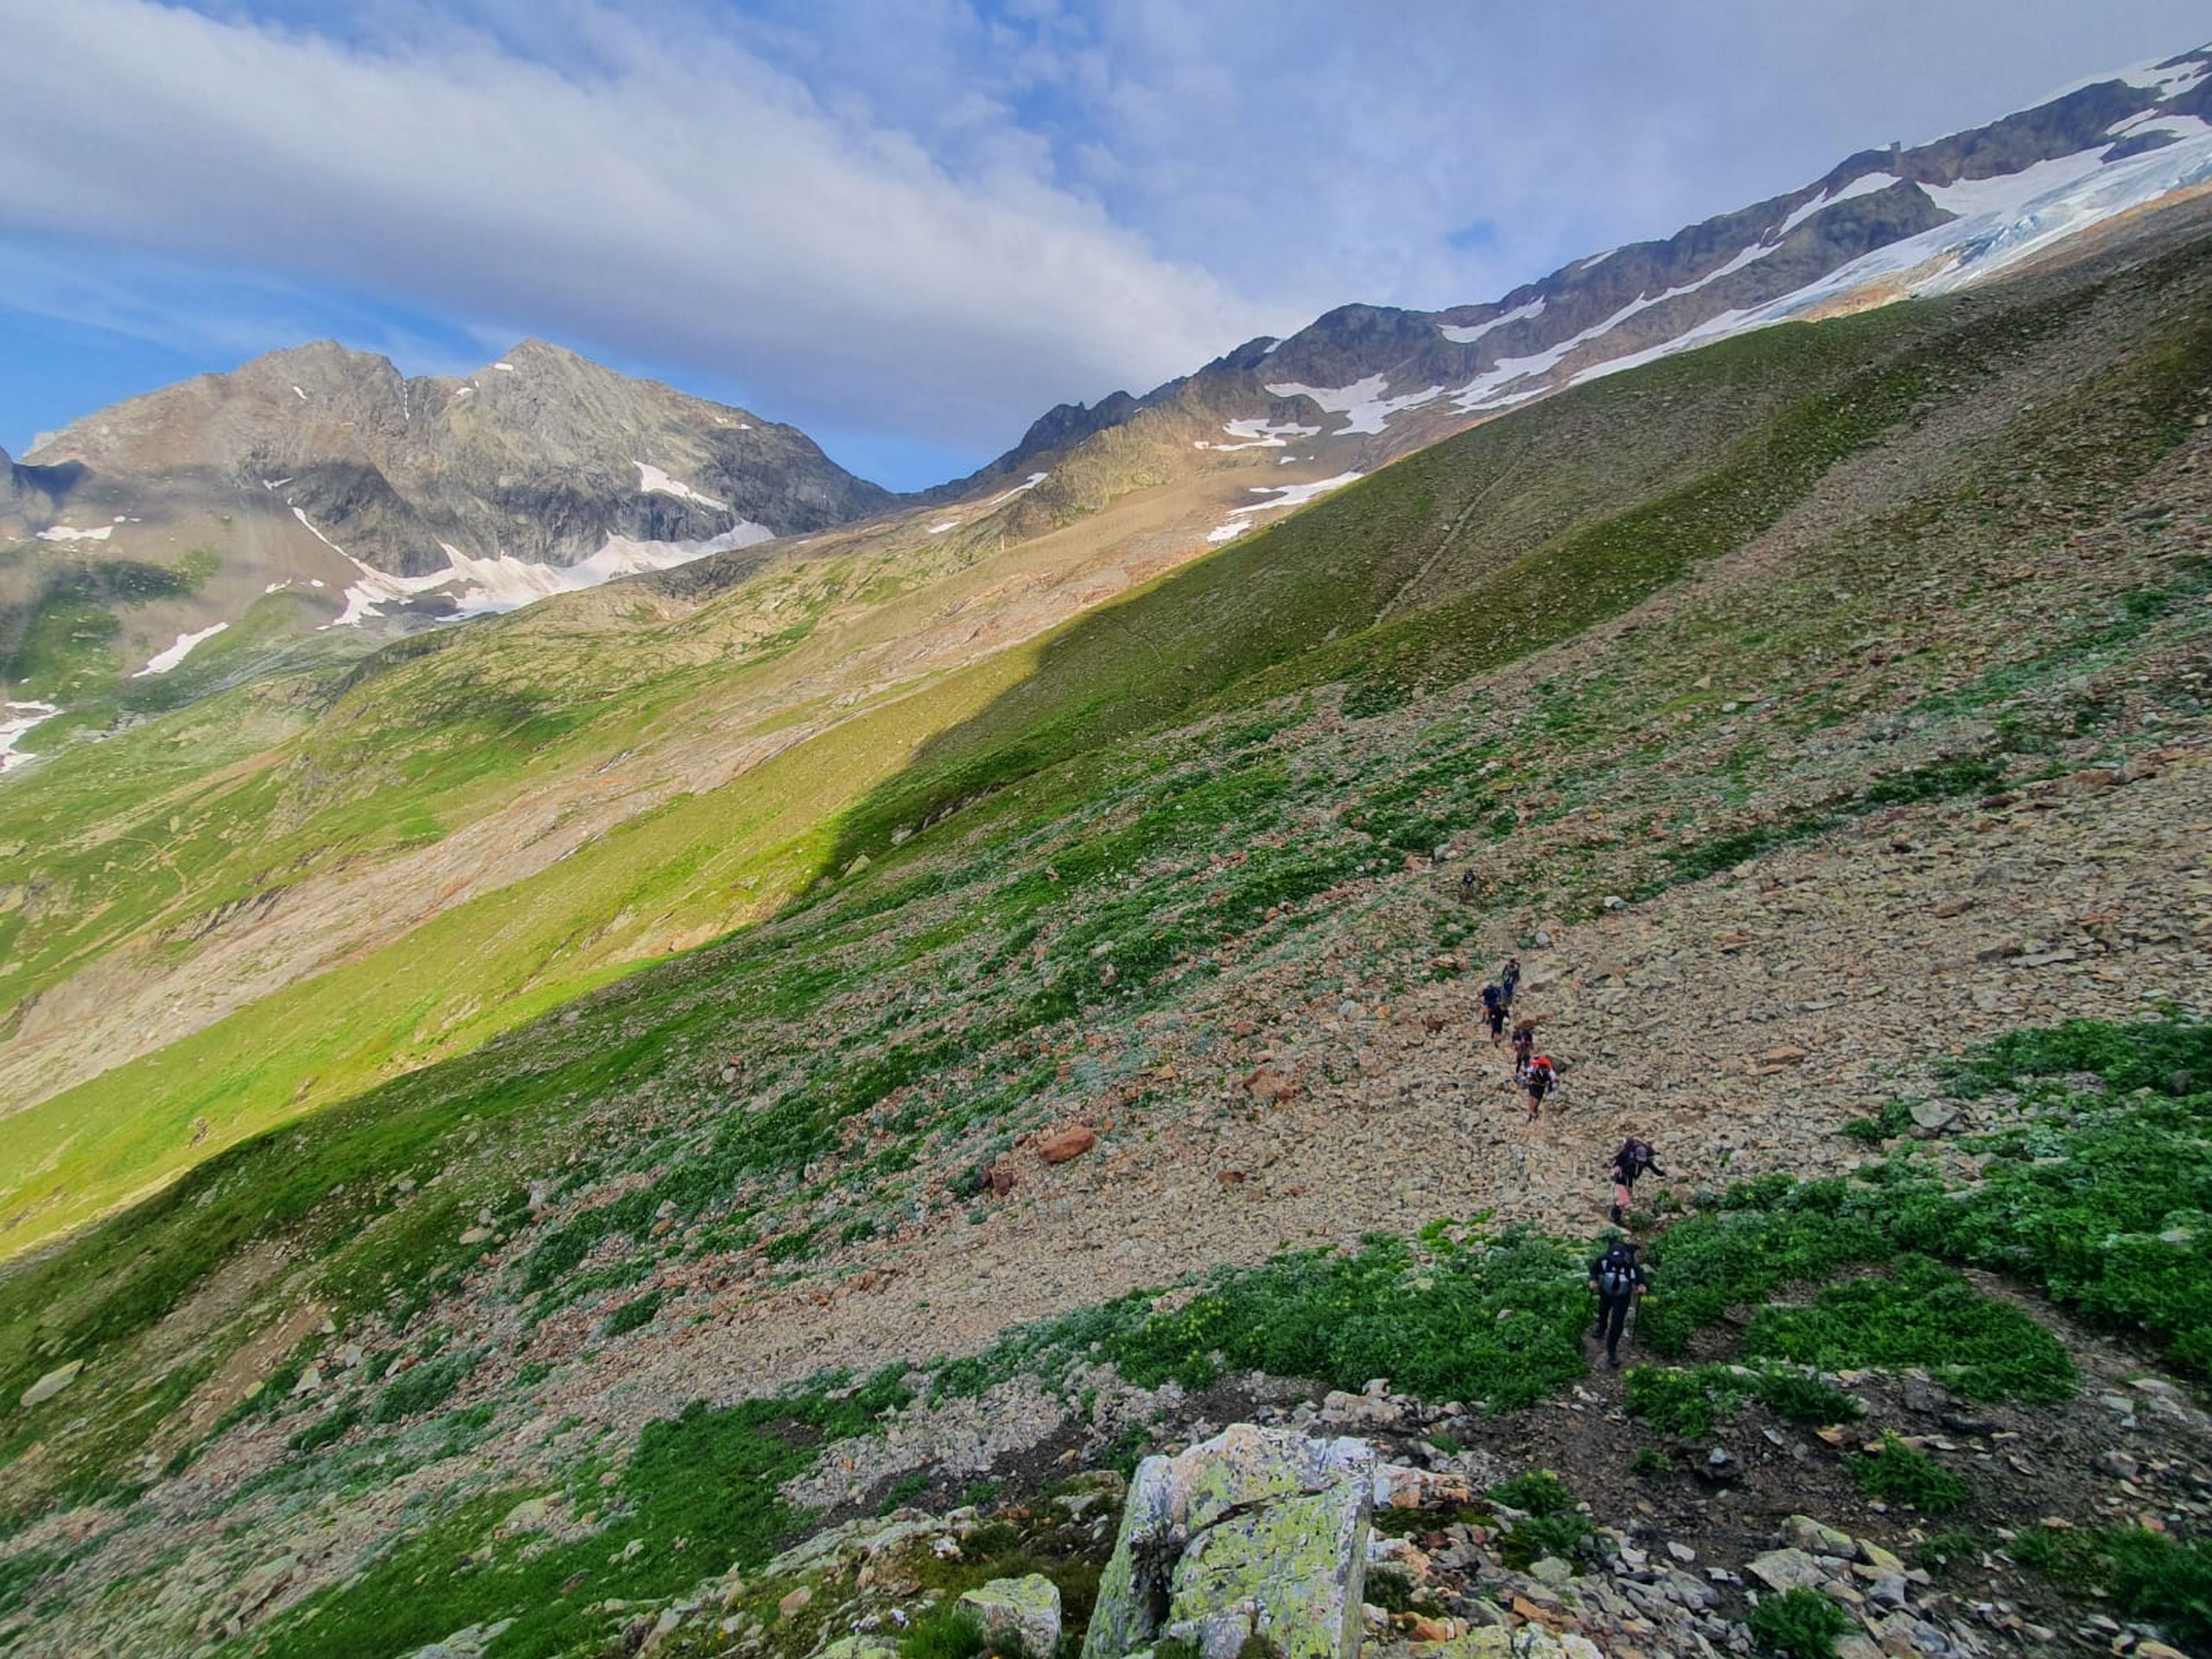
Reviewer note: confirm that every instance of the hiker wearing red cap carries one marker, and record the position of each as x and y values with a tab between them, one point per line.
1542	1078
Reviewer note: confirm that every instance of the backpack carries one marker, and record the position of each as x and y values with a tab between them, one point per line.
1633	1159
1617	1272
1491	996
1541	1071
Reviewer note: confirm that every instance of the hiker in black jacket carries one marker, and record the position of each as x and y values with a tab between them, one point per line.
1494	1013
1634	1157
1617	1281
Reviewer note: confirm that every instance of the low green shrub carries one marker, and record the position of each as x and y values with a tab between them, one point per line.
424	1387
946	1631
1897	1474
1799	1624
323	1430
1924	1314
638	1310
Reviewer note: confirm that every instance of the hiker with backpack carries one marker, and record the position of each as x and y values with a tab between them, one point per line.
1634	1157
1494	1012
1542	1079
1509	979
1616	1280
1524	1047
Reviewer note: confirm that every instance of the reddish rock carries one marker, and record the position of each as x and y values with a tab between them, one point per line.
1059	1147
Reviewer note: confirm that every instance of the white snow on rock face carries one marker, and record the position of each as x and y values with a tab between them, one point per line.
1288	495
162	662
1473	332
2152	121
2010	193
63	533
939	530
16	718
1028	483
1866	184
2169	83
653	481
1258	434
1362	401
507	583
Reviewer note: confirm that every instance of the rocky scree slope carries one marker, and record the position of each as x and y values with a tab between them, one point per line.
1905	683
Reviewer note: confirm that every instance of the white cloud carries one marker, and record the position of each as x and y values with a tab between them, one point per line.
670	196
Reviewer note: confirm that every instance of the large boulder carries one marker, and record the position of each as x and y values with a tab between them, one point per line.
1026	1610
1257	1531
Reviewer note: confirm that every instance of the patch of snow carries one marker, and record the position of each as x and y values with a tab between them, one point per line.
1272	345
2170	83
162	662
1028	483
1866	184
653	481
2149	121
1259	435
16	719
297	393
274	483
508	367
278	587
1362	401
462	393
64	533
507	583
2012	193
1239	520
1469	335
939	530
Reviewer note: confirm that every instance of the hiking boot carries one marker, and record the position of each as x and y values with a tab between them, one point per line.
1617	1217
1613	1361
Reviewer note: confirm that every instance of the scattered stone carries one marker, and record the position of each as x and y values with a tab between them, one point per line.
1817	1538
795	1603
1067	1143
1934	1116
1786	1569
51	1384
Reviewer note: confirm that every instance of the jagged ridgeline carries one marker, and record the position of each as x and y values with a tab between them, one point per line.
1171	871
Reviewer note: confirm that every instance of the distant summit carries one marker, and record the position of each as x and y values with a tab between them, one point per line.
542	459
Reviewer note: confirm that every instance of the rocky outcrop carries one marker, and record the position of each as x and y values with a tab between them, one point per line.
543	456
1256	1532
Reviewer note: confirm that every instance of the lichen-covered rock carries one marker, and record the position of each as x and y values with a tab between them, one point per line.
1290	1560
1292	1570
1026	1609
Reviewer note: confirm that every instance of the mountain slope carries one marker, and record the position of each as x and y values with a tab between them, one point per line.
1366	383
1802	708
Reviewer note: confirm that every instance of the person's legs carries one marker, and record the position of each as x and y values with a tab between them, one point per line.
1612	1313
1623	1201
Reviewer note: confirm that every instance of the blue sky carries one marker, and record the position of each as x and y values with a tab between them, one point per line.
906	225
